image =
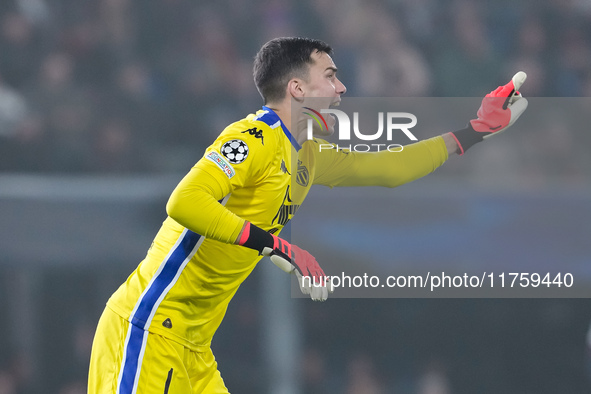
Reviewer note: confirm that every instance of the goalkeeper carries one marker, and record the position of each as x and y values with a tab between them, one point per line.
228	211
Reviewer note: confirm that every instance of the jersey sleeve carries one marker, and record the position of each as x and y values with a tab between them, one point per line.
390	169
239	157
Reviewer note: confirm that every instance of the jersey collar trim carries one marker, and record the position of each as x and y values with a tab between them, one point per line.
273	120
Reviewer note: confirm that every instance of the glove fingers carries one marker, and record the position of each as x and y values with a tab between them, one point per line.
515	97
315	283
308	287
306	262
517	109
518	79
305	288
496	92
319	293
505	90
315	293
511	87
323	294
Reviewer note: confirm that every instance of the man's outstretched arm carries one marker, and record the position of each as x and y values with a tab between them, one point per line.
499	110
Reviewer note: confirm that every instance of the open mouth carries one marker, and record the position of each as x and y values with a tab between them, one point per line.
335	103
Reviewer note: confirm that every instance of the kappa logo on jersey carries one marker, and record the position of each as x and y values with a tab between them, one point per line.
303	176
222	163
256	132
284	168
236	151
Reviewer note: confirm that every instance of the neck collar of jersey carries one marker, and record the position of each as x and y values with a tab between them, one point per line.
272	119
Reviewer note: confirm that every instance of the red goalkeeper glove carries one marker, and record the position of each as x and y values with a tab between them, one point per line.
499	110
290	258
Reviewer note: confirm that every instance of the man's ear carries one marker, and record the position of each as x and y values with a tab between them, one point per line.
295	89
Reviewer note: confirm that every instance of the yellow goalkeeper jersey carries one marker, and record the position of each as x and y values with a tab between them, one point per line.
253	171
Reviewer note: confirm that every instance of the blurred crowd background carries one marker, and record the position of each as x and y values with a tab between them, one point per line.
119	86
129	87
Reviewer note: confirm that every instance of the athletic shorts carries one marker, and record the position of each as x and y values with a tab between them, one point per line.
126	359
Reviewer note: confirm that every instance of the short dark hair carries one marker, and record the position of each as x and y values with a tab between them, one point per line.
281	59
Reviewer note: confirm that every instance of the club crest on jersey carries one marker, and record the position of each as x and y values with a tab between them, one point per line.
303	176
222	163
236	151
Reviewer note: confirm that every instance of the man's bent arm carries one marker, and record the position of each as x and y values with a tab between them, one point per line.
194	204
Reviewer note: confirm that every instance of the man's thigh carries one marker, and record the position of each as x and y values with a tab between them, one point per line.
126	360
206	378
107	353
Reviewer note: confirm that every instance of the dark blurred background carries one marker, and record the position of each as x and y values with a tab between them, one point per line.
105	104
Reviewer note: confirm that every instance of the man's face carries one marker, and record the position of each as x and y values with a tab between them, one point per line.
323	88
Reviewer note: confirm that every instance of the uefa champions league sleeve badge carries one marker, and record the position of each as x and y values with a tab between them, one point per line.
236	151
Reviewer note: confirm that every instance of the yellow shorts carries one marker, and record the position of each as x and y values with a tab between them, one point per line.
126	359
